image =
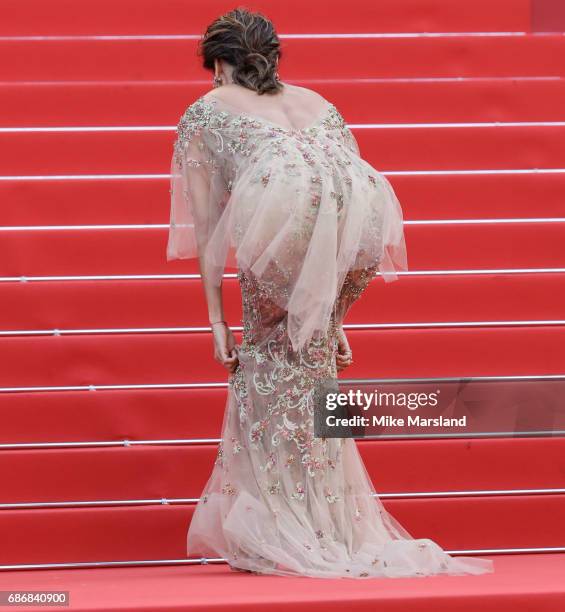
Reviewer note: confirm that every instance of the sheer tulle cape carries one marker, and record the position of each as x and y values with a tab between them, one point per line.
299	208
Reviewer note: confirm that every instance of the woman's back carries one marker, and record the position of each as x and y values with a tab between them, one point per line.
292	108
268	178
275	185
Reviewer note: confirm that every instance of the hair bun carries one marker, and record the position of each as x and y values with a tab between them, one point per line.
248	41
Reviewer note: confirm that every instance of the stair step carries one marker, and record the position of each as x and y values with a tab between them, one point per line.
143	250
305	58
149	152
97	17
159	532
175	358
113	416
179	472
135	304
161	103
519	582
123	201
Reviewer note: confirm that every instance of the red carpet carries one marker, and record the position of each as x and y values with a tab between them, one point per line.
521	583
36	17
462	109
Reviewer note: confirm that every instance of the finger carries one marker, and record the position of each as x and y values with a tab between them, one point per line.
232	368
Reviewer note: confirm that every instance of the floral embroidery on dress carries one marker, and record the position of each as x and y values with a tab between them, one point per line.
330	496
220	453
276	490
299	491
236	446
270	464
228	489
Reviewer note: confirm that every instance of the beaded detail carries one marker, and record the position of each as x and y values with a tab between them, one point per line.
277	491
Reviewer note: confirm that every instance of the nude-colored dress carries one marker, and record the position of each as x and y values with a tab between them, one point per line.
307	223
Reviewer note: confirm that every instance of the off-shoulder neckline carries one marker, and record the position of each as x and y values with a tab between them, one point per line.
236	112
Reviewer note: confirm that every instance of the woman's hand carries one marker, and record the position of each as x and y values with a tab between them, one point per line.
344	356
225	351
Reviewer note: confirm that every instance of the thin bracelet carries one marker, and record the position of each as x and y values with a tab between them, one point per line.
222	321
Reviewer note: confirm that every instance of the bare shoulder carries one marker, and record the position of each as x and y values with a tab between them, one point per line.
306	93
228	92
211	93
235	93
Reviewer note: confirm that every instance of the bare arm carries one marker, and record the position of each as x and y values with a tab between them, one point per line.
224	341
354	284
213	294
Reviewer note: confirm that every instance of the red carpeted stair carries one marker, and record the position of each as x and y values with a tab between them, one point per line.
110	401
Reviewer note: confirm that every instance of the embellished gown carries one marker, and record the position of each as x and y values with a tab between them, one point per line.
307	223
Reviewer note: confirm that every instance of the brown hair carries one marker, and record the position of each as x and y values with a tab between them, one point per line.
247	40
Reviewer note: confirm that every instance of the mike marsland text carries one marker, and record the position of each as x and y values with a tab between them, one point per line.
390	421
